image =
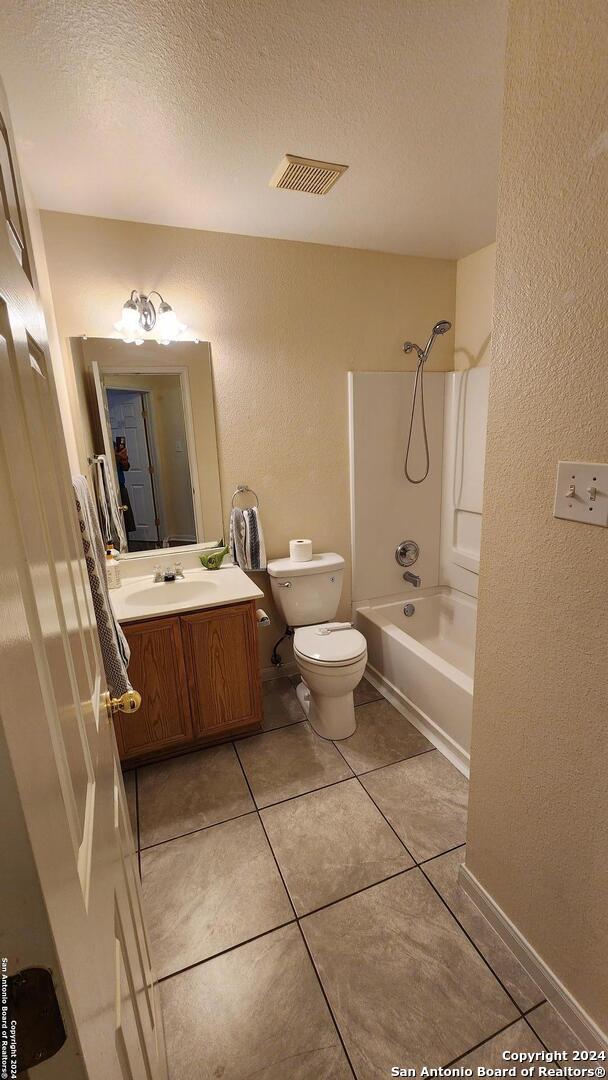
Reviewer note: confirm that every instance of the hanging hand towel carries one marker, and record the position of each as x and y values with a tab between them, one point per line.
237	537
110	514
247	539
115	651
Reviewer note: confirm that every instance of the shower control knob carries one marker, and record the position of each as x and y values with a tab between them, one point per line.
407	552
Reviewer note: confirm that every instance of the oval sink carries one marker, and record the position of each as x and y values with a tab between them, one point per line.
168	592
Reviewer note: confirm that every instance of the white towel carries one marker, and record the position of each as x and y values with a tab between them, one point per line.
115	651
247	539
110	514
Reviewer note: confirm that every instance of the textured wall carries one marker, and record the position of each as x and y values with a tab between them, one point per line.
474	299
539	796
286	321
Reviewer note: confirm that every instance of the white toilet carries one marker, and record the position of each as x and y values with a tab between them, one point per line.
331	658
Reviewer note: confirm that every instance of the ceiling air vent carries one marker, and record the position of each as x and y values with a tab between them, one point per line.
305	174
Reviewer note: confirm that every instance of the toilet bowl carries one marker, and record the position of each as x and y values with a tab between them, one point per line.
331	663
331	657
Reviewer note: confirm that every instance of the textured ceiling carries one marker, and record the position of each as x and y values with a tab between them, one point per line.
179	112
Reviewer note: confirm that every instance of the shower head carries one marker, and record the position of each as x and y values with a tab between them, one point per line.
440	327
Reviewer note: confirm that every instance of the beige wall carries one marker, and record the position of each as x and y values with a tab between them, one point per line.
538	824
286	321
474	299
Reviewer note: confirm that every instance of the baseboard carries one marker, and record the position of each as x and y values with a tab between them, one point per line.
568	1008
282	672
420	720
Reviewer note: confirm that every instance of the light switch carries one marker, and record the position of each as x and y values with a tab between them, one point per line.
581	492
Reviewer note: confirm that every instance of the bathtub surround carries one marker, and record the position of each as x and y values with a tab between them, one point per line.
286	321
385	507
443	514
450	500
465	420
422	662
464	441
539	798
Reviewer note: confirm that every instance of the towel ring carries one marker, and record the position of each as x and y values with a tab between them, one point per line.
242	489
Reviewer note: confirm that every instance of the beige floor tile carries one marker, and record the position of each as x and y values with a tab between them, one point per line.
553	1031
516	1037
256	1012
289	762
383	735
190	792
209	891
425	800
443	872
405	984
281	705
332	843
131	793
365	692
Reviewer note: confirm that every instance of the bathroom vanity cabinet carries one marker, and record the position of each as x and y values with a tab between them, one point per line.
199	677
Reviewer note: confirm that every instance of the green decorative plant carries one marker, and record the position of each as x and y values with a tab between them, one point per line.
214	561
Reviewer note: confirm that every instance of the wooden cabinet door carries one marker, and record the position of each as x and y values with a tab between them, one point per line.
221	652
157	670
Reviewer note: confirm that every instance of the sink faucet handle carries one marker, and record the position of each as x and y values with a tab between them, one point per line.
158	574
179	570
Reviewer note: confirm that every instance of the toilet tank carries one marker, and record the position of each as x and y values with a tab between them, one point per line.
307	592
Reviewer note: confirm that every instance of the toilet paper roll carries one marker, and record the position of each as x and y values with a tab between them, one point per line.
262	617
300	550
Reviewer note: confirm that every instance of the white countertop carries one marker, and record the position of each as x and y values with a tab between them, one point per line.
142	598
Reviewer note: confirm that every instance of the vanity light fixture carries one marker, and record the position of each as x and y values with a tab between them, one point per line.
139	317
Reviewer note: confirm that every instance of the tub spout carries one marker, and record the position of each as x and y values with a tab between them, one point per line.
413	579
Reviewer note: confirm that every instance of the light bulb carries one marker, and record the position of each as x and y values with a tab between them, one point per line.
167	326
130	315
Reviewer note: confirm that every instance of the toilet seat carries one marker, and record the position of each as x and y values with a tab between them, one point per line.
338	648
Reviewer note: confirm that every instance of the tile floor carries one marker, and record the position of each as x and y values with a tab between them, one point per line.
304	909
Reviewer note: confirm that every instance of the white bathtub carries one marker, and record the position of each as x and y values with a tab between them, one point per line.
424	663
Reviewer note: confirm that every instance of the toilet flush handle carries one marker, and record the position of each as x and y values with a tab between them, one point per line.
284	584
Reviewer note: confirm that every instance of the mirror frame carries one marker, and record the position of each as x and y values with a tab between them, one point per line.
135	363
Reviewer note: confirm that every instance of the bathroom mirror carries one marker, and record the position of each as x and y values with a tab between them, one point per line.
151	413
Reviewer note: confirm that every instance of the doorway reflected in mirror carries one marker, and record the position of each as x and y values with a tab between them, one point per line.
149	411
150	450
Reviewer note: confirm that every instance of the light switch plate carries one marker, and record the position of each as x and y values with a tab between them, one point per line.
581	492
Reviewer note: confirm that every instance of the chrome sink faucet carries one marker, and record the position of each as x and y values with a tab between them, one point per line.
168	573
413	579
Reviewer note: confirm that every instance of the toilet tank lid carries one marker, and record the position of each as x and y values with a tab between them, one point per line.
319	564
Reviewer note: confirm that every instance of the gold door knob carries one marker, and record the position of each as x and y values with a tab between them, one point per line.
127	703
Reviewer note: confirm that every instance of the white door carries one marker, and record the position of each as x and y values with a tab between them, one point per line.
57	747
126	412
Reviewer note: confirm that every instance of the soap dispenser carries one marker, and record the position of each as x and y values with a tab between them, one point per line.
112	567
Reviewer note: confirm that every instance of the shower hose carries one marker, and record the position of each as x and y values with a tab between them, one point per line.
418	385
